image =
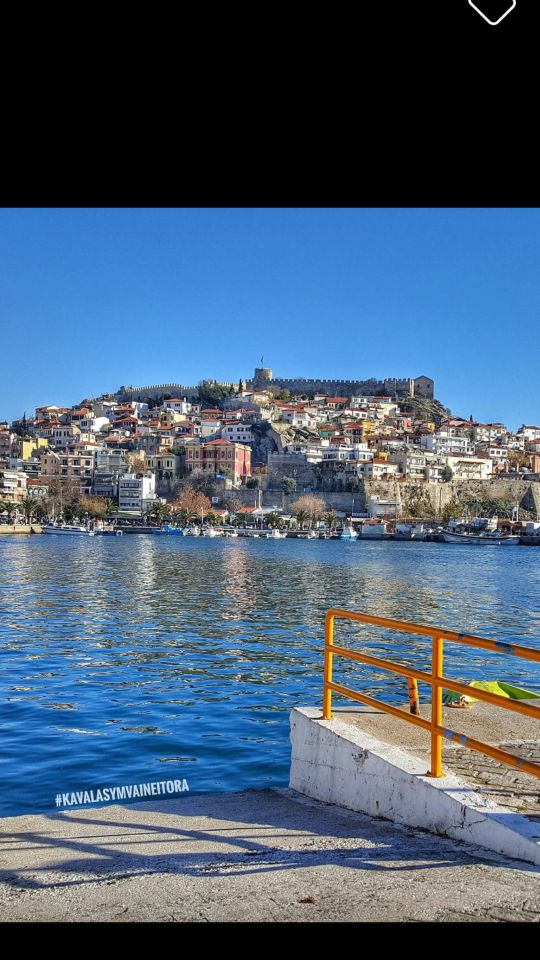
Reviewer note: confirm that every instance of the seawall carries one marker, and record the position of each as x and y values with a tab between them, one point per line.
13	528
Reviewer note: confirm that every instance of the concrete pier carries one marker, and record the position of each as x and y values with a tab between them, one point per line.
257	855
367	761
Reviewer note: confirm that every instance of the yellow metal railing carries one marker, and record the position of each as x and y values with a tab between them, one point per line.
437	681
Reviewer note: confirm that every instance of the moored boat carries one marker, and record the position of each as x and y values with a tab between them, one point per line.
348	533
491	537
71	529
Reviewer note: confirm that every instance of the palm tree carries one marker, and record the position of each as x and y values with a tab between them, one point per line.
9	507
158	510
273	520
29	506
330	519
110	507
302	516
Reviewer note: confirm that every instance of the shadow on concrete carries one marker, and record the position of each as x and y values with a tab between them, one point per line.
253	832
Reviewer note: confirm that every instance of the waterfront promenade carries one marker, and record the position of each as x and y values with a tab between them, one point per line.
256	855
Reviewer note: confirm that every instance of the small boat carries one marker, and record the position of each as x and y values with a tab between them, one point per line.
491	537
167	529
348	533
211	532
230	533
71	529
313	535
192	531
276	535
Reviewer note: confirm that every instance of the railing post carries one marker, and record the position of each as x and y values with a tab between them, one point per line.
414	700
436	707
328	663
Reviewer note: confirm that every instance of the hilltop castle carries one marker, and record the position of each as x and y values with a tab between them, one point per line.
263	378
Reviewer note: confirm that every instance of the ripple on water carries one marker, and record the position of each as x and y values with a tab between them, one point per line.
165	651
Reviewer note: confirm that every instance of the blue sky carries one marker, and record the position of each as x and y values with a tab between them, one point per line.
94	298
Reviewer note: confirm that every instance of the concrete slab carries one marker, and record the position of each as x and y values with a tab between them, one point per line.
341	763
258	855
504	785
481	720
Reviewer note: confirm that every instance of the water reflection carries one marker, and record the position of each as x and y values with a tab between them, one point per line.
171	651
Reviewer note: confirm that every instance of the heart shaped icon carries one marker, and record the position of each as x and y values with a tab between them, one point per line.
493	23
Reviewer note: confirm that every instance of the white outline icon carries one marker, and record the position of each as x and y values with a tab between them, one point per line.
493	23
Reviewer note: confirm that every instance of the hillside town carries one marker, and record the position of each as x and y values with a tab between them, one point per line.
220	450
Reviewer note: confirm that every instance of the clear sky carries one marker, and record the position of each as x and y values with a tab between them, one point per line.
91	299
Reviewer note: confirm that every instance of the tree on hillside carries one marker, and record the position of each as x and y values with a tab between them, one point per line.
136	462
212	394
446	474
278	394
517	458
288	485
254	483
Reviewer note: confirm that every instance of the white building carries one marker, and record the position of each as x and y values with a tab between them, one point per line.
347	451
530	433
376	469
92	424
384	508
136	494
445	442
411	464
179	406
470	468
237	433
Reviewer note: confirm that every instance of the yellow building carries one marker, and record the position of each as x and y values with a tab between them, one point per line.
27	447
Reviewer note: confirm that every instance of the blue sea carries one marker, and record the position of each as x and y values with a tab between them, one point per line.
142	659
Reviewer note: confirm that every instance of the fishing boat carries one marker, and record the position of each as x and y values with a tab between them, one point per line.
167	530
489	537
192	531
276	535
313	535
480	531
348	533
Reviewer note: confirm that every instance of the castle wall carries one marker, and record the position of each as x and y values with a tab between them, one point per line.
156	390
337	388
